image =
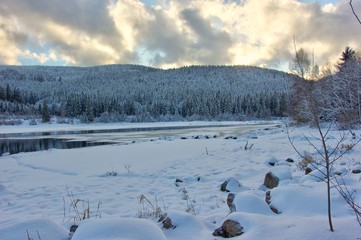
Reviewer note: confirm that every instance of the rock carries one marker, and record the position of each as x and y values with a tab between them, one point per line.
268	197
229	229
268	201
270	180
272	161
311	167
167	223
248	202
275	210
308	170
341	171
356	169
73	228
230	203
231	185
317	175
277	174
290	160
231	137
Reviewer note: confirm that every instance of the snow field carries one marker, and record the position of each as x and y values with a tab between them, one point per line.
34	190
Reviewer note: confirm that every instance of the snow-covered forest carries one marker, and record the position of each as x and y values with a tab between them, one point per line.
114	93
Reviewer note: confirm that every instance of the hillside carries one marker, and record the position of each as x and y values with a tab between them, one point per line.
139	93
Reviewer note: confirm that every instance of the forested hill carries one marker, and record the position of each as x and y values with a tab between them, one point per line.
138	93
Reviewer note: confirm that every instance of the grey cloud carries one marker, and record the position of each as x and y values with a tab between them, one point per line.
13	35
177	46
160	35
89	17
216	43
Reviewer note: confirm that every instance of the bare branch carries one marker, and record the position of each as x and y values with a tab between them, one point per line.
292	143
354	13
342	188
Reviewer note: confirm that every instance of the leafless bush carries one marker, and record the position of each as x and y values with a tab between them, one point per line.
79	209
306	159
151	210
190	203
246	147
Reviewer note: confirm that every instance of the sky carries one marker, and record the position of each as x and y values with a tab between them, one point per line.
174	33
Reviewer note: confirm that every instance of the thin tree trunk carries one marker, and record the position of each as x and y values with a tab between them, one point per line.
327	160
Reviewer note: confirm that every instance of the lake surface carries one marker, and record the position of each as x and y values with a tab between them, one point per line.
12	143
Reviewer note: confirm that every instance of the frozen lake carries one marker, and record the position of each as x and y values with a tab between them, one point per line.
12	143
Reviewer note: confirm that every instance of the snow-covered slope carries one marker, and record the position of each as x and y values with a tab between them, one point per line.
206	92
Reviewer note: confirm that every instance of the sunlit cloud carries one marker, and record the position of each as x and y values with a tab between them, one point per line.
172	33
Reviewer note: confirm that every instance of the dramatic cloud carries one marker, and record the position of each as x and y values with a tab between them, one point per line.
173	32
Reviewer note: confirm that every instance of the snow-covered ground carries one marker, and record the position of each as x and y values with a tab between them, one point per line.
180	177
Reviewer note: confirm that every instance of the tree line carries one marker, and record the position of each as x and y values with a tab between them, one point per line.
331	97
136	93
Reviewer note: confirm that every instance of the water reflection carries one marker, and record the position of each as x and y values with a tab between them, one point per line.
39	141
13	146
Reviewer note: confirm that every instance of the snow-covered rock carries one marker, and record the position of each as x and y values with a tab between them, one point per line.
229	229
251	202
277	174
232	185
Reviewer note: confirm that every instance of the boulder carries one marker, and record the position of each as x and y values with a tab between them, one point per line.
232	185
316	175
271	180
268	197
230	203
277	174
308	170
268	201
356	169
341	171
167	223
248	202
229	229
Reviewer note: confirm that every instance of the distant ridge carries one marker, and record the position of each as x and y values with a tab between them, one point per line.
144	93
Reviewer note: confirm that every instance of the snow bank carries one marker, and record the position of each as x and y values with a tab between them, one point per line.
251	203
44	228
306	200
122	228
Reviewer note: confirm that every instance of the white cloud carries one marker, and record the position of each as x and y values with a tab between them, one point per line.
176	32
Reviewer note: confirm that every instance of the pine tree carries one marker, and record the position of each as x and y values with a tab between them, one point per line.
347	56
45	115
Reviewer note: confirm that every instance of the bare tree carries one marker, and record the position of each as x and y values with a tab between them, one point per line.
319	102
354	13
328	156
301	64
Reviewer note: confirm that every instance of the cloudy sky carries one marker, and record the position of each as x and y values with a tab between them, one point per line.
173	33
